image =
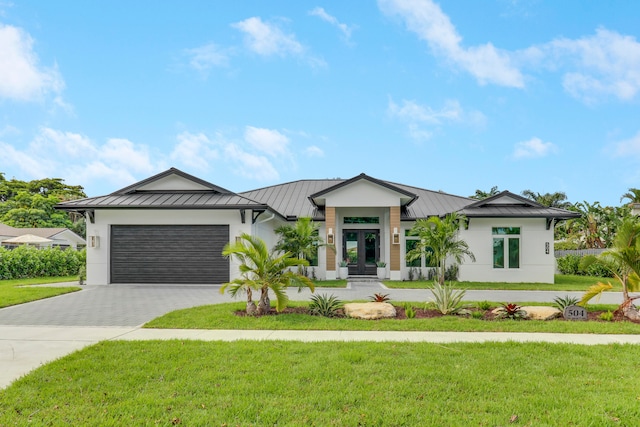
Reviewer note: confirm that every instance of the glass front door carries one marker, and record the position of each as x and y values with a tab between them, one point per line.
362	249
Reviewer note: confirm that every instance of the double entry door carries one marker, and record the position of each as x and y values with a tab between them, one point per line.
362	249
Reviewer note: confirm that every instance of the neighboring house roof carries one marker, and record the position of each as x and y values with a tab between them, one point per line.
8	231
507	204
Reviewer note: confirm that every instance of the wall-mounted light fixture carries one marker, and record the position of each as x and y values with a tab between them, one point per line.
330	236
396	236
94	242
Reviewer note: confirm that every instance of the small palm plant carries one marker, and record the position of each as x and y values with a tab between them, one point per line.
263	271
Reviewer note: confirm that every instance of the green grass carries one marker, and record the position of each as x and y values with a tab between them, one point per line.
221	316
11	292
338	283
247	383
562	283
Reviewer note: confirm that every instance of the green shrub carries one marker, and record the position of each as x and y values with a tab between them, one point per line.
28	261
607	316
484	305
569	264
410	312
324	305
477	314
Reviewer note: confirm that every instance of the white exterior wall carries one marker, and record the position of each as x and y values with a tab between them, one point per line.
98	261
535	265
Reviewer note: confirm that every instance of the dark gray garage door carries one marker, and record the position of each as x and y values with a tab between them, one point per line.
169	254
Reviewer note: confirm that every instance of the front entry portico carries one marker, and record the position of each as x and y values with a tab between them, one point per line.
362	249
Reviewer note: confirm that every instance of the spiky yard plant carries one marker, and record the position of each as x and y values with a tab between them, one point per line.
324	305
448	300
380	297
564	302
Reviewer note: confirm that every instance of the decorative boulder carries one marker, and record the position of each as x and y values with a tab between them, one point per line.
369	310
542	312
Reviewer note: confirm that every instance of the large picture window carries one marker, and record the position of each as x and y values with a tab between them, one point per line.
410	242
506	247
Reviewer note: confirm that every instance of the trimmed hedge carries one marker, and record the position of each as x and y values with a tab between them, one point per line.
570	264
28	261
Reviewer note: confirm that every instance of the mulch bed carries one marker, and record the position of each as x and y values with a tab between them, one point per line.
427	314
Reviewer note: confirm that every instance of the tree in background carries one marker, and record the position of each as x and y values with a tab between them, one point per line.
481	195
27	204
302	239
552	200
633	195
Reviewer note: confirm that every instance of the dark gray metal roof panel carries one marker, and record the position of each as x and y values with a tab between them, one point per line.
163	200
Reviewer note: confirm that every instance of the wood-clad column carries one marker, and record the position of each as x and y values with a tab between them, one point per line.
394	225
330	222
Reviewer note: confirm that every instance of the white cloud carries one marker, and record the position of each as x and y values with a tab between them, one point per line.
82	160
322	14
21	77
486	63
627	148
267	39
533	148
314	151
417	116
268	141
605	64
250	165
194	150
205	57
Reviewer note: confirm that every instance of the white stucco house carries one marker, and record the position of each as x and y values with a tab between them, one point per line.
171	228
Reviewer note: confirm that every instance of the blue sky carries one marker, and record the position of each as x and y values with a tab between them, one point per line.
449	95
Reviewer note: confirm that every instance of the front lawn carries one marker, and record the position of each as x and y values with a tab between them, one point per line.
562	282
250	383
221	316
16	291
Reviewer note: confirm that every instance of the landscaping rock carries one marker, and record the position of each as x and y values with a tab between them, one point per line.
542	312
369	310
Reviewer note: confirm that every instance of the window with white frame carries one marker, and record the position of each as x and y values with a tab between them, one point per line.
506	247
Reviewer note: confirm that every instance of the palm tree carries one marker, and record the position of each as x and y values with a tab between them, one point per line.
623	261
551	200
263	270
302	239
481	195
438	241
633	195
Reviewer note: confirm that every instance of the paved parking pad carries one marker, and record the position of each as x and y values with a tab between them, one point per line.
113	305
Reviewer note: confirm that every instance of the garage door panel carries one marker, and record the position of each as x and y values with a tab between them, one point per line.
169	254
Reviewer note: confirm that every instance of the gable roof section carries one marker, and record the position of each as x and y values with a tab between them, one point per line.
318	199
139	186
510	205
200	195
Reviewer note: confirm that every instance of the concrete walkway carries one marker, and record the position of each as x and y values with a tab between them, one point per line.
41	331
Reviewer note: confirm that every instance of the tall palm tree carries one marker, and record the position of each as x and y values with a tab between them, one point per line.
633	195
302	239
263	270
623	261
438	241
481	195
552	200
